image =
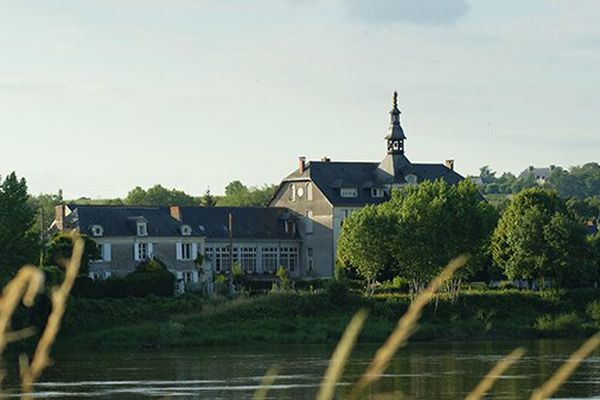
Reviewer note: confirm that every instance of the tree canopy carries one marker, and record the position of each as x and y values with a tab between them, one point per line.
19	240
158	195
239	195
538	238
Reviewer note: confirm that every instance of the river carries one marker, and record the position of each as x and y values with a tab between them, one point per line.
440	370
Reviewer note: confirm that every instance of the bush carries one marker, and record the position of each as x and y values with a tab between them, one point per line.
563	324
338	292
593	311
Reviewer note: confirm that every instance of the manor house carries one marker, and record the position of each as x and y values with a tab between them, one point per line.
298	229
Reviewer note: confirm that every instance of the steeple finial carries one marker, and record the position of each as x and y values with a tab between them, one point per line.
395	101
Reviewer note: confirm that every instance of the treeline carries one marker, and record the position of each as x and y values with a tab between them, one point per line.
538	238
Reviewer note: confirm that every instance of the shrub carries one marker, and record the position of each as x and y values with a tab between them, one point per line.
593	311
563	324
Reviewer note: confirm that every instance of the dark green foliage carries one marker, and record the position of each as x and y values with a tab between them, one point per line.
208	200
239	195
150	278
158	195
59	250
538	238
19	240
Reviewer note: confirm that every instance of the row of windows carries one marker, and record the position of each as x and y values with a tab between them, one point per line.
301	191
145	251
247	257
141	230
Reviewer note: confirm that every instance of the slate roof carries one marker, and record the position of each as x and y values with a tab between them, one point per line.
331	176
122	220
538	172
254	223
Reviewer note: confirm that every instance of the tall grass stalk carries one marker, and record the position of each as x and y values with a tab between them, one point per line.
41	357
340	356
566	369
492	376
405	328
265	384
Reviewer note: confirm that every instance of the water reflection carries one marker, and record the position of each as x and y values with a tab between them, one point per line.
419	371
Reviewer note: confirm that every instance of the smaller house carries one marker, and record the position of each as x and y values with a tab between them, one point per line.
539	174
128	236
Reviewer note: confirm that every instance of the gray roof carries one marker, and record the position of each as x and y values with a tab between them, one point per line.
254	223
248	222
330	176
122	220
538	172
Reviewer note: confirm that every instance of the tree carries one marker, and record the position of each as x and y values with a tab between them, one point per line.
436	222
487	175
537	238
239	195
158	195
364	242
19	241
60	249
208	200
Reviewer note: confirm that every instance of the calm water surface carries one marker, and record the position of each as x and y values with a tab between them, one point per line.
419	371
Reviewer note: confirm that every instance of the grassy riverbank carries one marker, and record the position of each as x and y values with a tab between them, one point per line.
299	318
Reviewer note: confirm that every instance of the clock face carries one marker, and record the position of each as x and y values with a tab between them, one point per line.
300	192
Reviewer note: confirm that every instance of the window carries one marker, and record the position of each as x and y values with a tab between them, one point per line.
142	229
186	251
411	178
289	258
269	259
309	258
309	222
97	231
188	277
248	259
348	192
221	258
186	230
142	251
292	192
104	252
309	192
377	192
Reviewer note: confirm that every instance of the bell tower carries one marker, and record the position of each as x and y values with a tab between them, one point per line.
395	137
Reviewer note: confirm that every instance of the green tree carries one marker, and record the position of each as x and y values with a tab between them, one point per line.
60	248
365	242
487	175
436	222
19	240
208	200
537	238
239	195
158	195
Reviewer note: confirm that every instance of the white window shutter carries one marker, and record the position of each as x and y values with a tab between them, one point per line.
136	252
179	275
309	192
107	256
179	250
195	276
150	251
194	251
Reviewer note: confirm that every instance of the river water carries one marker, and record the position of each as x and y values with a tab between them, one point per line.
419	371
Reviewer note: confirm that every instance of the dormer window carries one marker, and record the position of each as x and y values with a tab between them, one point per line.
377	192
142	229
348	192
186	230
97	230
411	178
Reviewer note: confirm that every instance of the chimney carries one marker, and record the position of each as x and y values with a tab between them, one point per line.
531	168
176	212
325	159
59	217
449	164
301	164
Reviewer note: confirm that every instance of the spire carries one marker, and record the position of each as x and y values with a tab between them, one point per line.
395	137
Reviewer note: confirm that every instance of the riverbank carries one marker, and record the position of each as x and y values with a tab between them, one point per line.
320	318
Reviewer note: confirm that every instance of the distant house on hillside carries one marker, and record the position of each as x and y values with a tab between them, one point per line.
323	193
539	174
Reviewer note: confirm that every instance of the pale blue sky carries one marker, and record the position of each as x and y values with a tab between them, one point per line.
98	96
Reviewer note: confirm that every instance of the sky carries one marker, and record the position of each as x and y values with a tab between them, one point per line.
99	96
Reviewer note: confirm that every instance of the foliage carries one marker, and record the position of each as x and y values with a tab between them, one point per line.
44	205
60	249
19	241
365	242
538	238
560	325
208	200
593	311
436	222
285	283
158	195
239	195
